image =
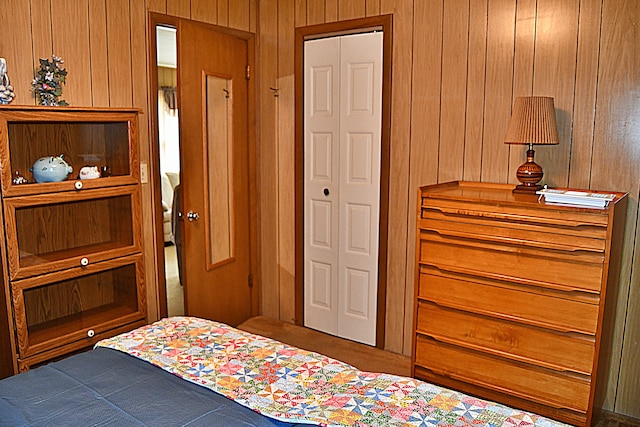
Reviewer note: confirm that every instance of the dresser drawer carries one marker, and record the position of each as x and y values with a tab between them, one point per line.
508	302
521	380
586	222
553	269
565	237
542	347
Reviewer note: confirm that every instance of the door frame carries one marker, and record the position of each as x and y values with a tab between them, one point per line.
153	20
354	26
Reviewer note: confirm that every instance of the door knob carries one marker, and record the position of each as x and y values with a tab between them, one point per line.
193	216
326	191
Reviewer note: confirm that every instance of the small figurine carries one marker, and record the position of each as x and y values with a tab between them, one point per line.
19	179
89	172
6	90
51	169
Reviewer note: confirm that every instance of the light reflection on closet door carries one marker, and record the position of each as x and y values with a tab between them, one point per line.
219	170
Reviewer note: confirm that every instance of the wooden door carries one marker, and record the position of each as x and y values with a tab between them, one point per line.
343	99
214	141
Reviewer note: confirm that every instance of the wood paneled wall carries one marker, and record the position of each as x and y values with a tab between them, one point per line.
457	66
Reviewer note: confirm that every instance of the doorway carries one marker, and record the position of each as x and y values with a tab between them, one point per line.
169	153
341	287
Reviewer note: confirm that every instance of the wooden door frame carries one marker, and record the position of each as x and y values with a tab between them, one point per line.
153	20
355	26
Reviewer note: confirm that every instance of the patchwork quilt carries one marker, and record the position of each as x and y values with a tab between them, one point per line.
294	385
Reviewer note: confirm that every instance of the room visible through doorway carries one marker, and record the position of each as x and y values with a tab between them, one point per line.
169	151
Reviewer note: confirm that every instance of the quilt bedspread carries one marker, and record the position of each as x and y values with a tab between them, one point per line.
295	385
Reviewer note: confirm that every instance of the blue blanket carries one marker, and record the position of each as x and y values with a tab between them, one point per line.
104	387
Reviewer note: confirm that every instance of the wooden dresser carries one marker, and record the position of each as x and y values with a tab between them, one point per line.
515	297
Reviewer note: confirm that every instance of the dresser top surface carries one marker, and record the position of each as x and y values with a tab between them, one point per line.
501	194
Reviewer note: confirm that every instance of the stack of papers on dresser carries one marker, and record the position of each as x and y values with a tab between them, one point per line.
578	198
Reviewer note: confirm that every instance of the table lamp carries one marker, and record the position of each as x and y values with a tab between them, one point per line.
533	122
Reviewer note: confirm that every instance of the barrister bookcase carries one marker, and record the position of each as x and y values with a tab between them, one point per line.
72	267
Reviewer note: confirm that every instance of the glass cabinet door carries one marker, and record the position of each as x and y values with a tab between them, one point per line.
75	306
52	232
67	150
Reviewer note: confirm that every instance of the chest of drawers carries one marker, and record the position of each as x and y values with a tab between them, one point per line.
515	297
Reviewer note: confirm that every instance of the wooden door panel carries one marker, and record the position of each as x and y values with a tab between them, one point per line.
217	247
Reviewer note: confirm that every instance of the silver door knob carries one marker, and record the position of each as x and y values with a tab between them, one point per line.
193	216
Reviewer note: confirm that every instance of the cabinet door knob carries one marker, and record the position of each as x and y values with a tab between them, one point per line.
91	333
193	216
78	185
84	261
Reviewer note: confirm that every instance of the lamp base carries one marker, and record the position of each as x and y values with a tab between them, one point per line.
529	174
527	189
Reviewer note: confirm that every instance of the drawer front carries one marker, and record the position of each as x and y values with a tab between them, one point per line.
548	236
509	303
63	308
587	221
551	269
539	385
561	352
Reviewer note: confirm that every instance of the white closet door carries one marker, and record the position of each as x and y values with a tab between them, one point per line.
343	110
359	203
321	183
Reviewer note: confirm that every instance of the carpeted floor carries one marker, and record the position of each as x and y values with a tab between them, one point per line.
175	295
363	357
608	419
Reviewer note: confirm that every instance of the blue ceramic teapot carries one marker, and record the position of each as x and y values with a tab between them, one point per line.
51	169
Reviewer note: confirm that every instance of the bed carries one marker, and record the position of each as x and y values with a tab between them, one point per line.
184	371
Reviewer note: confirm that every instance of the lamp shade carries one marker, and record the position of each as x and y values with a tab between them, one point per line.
533	121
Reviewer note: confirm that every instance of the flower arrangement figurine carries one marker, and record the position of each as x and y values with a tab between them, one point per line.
47	85
6	90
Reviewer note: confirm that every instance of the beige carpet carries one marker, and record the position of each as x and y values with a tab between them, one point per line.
609	419
175	295
363	357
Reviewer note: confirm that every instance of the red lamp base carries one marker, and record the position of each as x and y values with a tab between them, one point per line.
529	174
